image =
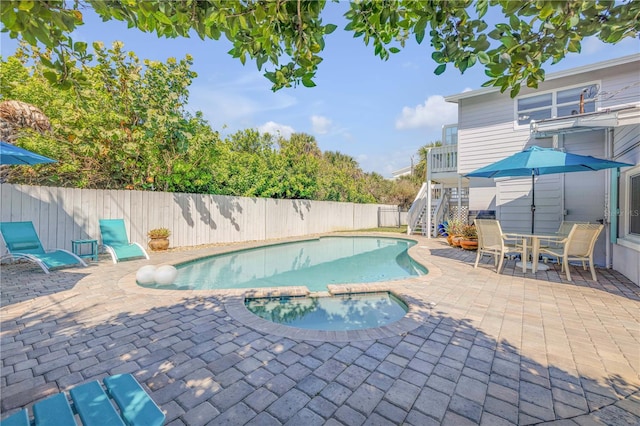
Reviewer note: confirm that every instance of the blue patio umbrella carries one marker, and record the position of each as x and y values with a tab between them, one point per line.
537	161
11	154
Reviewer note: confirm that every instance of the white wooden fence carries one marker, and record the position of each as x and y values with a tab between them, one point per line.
64	214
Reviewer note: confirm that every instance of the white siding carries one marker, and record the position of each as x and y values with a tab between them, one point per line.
485	130
626	253
585	192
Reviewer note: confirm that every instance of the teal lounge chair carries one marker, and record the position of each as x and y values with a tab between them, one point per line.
94	404
23	242
116	242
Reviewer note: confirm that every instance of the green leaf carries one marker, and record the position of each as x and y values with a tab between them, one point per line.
26	5
260	13
307	82
394	50
51	76
483	58
463	65
509	41
440	69
8	17
161	17
80	46
495	34
514	22
547	10
421	25
574	20
574	46
329	28
260	61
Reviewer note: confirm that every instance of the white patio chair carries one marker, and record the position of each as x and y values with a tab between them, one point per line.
492	241
578	245
562	232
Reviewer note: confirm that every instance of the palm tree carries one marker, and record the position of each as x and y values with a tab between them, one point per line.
17	115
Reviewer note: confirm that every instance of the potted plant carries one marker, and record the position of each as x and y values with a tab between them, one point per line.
159	239
453	228
469	238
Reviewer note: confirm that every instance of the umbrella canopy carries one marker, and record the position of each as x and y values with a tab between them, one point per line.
11	154
537	161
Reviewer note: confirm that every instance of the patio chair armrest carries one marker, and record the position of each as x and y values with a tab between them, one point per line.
553	241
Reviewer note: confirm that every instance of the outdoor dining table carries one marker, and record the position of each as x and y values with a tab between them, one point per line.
533	241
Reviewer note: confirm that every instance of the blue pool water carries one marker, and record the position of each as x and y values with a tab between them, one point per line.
335	313
311	263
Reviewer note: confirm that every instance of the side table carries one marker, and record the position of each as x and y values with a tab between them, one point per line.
77	248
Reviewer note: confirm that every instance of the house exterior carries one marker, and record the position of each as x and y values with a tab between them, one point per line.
590	110
405	171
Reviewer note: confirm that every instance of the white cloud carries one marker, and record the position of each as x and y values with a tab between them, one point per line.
320	125
592	45
237	103
276	129
433	113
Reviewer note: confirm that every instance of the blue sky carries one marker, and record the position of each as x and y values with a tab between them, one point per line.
378	112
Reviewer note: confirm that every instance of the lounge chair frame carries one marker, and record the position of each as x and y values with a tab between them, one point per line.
111	248
14	254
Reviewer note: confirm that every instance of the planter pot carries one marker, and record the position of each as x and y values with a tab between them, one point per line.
159	244
469	244
456	241
450	239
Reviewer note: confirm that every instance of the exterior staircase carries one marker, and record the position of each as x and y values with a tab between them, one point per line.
417	222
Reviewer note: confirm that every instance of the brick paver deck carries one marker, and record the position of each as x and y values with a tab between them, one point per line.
476	348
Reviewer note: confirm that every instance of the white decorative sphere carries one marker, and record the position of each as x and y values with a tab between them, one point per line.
145	274
165	274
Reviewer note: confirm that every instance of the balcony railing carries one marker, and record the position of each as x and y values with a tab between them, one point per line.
444	159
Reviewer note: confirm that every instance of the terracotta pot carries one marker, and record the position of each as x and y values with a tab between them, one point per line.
456	241
469	244
450	239
159	244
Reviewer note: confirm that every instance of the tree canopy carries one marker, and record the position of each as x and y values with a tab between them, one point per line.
289	35
127	128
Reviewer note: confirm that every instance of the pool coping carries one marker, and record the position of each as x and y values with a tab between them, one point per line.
418	311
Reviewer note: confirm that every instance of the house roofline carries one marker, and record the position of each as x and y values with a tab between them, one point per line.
552	76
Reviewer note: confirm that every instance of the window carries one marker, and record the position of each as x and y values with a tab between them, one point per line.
561	103
450	134
634	205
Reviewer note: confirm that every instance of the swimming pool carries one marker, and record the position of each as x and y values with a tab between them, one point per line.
356	311
311	263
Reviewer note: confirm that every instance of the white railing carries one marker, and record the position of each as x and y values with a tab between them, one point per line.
418	205
444	159
439	212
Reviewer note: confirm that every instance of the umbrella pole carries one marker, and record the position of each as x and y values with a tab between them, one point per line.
533	200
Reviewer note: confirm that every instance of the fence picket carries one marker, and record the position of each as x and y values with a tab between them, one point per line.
62	214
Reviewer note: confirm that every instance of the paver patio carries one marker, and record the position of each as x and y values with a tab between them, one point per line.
480	348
